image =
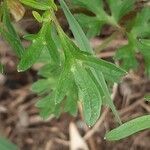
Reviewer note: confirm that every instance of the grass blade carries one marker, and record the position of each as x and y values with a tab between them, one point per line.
129	128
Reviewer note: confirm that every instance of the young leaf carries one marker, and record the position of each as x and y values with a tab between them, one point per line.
129	128
89	94
37	16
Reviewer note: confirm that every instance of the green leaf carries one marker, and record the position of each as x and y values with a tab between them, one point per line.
129	128
102	86
41	86
64	84
51	46
76	29
30	37
70	105
5	144
141	24
90	24
145	42
111	71
147	97
84	45
144	48
37	5
40	43
9	34
50	70
94	5
120	8
89	94
46	106
37	16
127	56
32	54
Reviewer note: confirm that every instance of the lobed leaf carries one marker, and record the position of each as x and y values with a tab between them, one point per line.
84	45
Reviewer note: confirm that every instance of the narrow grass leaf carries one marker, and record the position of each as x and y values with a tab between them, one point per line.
129	128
